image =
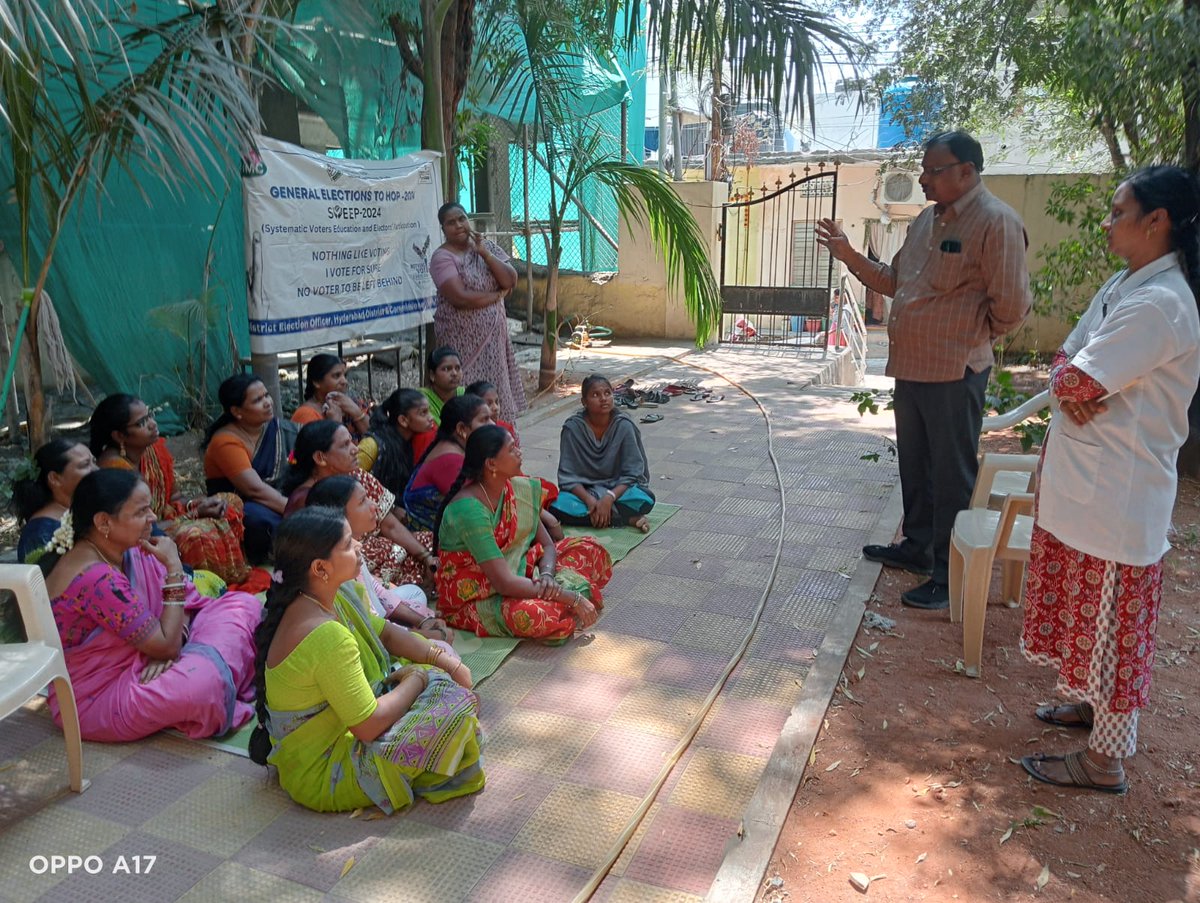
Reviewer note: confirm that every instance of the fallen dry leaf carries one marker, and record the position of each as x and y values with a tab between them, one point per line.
921	858
356	813
1044	877
833	766
349	865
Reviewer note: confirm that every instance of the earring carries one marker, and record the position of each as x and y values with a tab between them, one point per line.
324	576
105	531
122	444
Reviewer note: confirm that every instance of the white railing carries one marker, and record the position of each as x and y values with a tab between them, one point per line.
1018	414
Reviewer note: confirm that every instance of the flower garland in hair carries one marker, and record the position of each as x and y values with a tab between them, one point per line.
64	537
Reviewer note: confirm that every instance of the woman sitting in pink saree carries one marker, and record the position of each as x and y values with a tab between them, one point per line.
145	650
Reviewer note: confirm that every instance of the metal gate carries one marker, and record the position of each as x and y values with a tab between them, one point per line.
776	281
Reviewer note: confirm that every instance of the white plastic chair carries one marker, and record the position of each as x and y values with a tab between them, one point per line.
982	537
1001	475
27	667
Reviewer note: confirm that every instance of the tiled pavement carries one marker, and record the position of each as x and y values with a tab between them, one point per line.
574	736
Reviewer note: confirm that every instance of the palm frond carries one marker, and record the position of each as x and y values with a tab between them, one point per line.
644	197
772	50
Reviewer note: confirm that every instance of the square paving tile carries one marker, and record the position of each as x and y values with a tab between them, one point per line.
557	830
528	878
138	868
578	694
311	848
696	566
801	612
645	619
732	600
656	709
612	653
621	759
538	742
733	524
690	669
682	850
513	680
418	863
56	829
718	783
712	631
222	814
749	507
705	542
743	726
25	729
666	589
140	786
626	891
770	682
234	881
821	585
497	812
786	644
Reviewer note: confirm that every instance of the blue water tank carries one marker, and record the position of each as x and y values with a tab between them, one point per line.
897	123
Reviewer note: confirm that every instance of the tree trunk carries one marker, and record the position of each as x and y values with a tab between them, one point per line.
716	150
548	372
35	396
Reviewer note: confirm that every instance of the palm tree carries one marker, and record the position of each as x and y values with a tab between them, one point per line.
86	84
538	61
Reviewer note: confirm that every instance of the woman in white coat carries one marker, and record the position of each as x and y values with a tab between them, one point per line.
1121	386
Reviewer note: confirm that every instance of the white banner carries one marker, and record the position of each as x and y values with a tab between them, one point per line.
337	249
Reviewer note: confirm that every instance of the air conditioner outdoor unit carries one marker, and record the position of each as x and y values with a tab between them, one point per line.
901	188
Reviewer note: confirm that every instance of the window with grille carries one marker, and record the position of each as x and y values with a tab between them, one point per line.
810	261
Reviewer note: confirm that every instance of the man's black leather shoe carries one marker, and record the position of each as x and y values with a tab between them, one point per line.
929	596
892	557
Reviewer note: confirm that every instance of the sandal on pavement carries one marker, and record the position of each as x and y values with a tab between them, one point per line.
1081	710
652	418
1077	774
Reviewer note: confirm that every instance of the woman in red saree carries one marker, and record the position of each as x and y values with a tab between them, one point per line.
207	530
499	573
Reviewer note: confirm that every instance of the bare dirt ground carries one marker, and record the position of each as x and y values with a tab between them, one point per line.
913	780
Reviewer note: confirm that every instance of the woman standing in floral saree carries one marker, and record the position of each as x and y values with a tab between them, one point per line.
492	543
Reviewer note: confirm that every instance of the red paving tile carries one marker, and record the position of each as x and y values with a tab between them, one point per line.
692	669
586	695
682	850
175	869
744	726
311	848
518	877
621	759
498	812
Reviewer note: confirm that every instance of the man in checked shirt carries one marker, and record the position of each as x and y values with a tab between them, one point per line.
959	284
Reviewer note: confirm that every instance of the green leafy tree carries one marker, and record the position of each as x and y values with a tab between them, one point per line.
88	84
1123	71
537	62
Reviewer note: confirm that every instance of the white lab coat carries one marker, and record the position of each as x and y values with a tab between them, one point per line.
1108	487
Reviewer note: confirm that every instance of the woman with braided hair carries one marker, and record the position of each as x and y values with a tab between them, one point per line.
499	572
343	728
1120	388
439	466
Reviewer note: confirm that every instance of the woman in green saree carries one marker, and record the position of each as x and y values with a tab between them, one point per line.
344	729
499	573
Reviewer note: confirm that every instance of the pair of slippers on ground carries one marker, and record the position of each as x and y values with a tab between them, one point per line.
1077	764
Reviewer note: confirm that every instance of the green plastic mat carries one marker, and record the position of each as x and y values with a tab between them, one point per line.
620	541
